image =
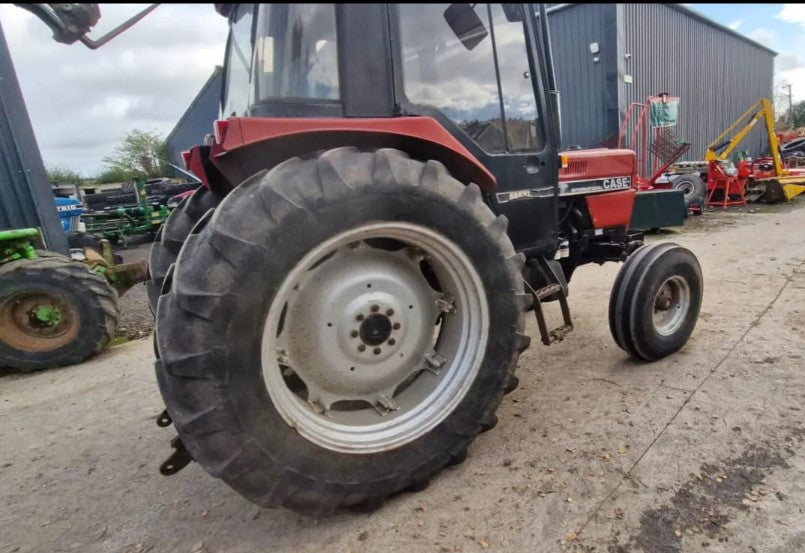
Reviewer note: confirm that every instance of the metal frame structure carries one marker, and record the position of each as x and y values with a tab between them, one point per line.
26	200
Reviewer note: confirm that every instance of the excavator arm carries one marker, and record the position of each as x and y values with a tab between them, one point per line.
720	148
73	22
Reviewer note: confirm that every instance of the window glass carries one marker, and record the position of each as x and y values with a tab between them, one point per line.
238	62
296	52
441	72
519	106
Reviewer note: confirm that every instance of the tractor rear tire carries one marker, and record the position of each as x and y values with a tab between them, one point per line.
171	236
85	308
263	328
655	301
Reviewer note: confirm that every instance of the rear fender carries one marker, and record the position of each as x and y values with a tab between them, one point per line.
199	162
249	145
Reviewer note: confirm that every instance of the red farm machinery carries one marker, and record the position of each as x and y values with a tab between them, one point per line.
341	306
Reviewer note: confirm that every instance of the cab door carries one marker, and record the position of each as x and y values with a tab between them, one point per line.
477	72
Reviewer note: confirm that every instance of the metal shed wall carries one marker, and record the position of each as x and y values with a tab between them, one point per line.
196	122
717	74
588	99
25	196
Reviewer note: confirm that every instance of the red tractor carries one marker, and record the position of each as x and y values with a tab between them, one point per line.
340	308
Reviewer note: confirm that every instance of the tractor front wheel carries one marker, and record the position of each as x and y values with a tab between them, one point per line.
340	330
53	312
655	301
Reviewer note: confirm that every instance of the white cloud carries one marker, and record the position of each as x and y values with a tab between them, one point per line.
762	35
81	101
787	62
735	24
792	13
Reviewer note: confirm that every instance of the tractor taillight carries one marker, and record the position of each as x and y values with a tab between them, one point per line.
219	130
186	159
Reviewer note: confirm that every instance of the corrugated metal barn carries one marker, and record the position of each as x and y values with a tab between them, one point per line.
197	120
609	55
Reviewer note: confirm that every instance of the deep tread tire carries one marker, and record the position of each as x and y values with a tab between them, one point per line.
171	236
631	302
90	294
210	320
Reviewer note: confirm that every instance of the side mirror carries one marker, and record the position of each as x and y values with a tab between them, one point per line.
465	24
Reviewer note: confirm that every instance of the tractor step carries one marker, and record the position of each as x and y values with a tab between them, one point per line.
548	291
554	289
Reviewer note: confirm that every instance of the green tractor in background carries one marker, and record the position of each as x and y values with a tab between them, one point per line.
54	310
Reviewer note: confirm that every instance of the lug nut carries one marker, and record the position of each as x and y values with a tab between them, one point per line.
396	326
354	333
359	317
392	341
361	347
389	312
377	351
375	309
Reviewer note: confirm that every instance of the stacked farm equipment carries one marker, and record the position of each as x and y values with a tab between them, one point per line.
141	213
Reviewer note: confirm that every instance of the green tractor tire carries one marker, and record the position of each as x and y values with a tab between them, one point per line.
53	312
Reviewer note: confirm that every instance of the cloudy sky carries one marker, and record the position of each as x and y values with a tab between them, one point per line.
81	101
780	27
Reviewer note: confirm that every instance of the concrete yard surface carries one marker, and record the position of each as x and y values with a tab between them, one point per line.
702	451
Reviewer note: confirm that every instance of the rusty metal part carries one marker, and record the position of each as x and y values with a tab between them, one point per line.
125	275
21	329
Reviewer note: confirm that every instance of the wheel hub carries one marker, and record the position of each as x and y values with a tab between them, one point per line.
44	315
671	305
375	329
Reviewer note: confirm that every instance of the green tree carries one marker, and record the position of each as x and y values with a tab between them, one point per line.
795	117
114	174
138	153
59	174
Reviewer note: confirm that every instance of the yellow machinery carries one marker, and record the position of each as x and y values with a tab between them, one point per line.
776	183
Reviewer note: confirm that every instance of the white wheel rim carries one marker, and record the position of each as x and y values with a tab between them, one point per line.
671	305
410	374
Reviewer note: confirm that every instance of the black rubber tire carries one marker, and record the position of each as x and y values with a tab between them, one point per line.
210	323
90	294
171	235
694	187
631	302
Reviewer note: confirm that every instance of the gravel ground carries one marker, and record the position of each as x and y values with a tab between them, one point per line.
136	320
703	451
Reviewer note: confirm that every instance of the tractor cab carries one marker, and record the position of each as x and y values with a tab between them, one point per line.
467	81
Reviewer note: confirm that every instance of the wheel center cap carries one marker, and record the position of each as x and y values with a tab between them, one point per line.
375	329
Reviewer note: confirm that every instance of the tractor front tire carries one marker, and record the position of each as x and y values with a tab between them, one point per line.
655	301
340	330
53	312
171	236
